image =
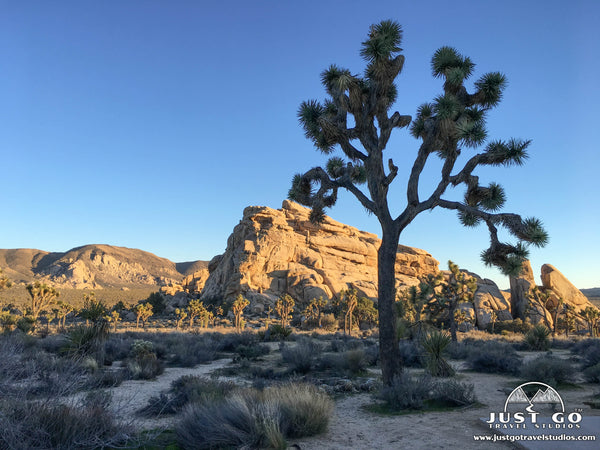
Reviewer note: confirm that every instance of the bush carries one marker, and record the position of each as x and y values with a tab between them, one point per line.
143	363
276	333
592	373
407	392
329	322
494	357
255	419
454	393
54	425
157	301
185	390
252	351
538	338
410	352
549	369
589	350
301	356
510	326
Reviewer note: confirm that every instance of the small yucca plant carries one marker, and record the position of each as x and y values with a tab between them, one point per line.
434	345
538	338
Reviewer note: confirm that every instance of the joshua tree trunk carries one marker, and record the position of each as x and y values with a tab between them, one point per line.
453	326
391	363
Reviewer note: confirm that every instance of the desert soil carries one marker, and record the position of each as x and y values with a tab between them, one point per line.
352	427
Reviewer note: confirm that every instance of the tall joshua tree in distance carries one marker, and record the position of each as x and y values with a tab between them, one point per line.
455	119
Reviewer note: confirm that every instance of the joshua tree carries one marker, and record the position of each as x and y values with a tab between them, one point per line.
314	310
113	318
591	315
454	121
181	315
42	296
4	281
195	309
143	312
284	308
350	301
63	311
238	307
570	318
448	294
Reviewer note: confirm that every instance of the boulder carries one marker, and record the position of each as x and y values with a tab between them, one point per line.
275	252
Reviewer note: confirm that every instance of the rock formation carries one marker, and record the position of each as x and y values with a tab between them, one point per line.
488	298
275	252
520	287
555	281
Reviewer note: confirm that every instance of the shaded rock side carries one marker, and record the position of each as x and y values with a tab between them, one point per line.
489	298
554	280
275	252
520	288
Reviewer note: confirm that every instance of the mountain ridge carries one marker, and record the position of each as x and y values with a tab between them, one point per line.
94	266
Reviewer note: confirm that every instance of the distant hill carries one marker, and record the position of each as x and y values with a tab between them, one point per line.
95	267
593	295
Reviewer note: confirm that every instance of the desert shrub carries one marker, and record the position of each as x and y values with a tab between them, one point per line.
454	393
510	326
142	362
589	351
252	351
592	373
494	357
538	338
254	419
188	350
344	343
305	410
88	340
187	389
329	322
435	344
276	333
411	353
459	350
26	324
157	301
300	357
406	392
549	369
350	362
54	425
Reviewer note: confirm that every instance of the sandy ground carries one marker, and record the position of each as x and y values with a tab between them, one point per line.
352	427
132	395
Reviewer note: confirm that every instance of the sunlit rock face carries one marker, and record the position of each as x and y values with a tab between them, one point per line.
274	252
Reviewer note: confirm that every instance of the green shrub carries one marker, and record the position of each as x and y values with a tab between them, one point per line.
434	345
26	324
276	332
538	338
329	322
252	351
549	369
509	326
157	301
494	357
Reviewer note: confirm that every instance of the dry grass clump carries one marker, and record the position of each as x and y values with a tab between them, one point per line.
255	419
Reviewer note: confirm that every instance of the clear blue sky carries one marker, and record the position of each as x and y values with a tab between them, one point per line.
152	124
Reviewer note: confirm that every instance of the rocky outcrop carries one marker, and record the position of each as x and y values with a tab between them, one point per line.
275	252
520	288
555	281
488	298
